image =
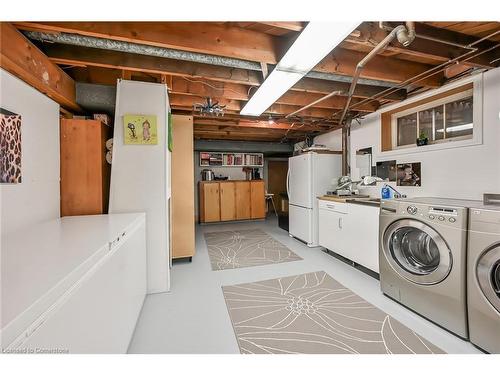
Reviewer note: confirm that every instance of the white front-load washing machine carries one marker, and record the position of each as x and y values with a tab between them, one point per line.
423	243
483	278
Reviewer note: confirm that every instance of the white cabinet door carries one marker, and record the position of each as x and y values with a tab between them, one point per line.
331	234
362	232
299	181
300	223
324	223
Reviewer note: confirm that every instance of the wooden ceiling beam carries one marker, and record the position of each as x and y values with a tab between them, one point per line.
230	94
290	25
187	101
82	56
236	137
482	60
73	55
202	37
235	42
343	61
257	125
371	34
335	102
320	86
23	59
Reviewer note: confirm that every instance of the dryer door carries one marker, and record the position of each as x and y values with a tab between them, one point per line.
488	275
417	252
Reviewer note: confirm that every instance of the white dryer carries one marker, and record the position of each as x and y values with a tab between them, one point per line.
423	244
483	278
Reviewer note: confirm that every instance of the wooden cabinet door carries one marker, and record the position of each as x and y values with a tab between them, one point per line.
182	181
242	195
84	171
227	201
211	202
258	204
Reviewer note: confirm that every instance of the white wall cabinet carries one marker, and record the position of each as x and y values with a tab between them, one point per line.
350	230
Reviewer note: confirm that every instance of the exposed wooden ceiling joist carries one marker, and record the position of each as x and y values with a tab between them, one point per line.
372	34
23	59
203	37
233	42
188	92
81	56
72	55
290	25
258	124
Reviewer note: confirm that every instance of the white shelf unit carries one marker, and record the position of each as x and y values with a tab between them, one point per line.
231	159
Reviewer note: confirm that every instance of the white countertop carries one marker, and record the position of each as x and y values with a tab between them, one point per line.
36	261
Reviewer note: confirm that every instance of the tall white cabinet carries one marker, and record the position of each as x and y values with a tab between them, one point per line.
140	175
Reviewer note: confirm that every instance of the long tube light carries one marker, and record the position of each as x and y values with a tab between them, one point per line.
312	45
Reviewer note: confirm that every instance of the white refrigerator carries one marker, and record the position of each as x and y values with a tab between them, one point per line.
309	176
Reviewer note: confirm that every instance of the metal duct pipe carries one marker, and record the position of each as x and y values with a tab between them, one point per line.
346	130
405	35
169	53
472	53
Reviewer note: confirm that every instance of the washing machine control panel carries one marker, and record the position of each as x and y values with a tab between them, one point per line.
443	214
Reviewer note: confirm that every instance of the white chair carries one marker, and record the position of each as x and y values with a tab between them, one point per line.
270	198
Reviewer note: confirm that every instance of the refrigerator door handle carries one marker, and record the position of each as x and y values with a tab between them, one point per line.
288	183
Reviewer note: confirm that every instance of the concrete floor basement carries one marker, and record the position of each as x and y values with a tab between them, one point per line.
193	318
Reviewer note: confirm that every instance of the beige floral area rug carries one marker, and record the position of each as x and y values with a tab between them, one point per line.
314	314
245	248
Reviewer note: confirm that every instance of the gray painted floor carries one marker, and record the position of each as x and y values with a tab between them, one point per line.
193	318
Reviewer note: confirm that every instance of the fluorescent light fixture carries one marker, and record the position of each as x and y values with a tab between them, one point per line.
313	44
457	128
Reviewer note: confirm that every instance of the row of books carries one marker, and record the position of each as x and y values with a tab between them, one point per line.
253	159
230	159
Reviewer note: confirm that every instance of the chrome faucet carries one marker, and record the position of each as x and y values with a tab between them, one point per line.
397	194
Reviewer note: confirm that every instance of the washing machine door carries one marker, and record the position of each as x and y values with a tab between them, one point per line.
417	252
488	275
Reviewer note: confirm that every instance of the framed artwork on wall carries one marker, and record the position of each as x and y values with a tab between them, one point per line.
386	170
10	147
409	174
140	130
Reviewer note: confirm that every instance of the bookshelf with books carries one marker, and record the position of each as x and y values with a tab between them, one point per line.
231	159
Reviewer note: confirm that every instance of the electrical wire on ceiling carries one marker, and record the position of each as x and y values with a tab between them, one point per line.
212	86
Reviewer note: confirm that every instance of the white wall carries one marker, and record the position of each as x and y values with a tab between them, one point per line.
332	140
463	172
37	197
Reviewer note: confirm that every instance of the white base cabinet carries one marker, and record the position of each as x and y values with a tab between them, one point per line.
350	230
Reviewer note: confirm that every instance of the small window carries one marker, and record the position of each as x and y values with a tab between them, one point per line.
443	120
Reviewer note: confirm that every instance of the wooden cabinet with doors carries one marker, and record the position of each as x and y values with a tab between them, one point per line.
209	202
227	201
257	200
242	197
231	200
182	199
85	173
